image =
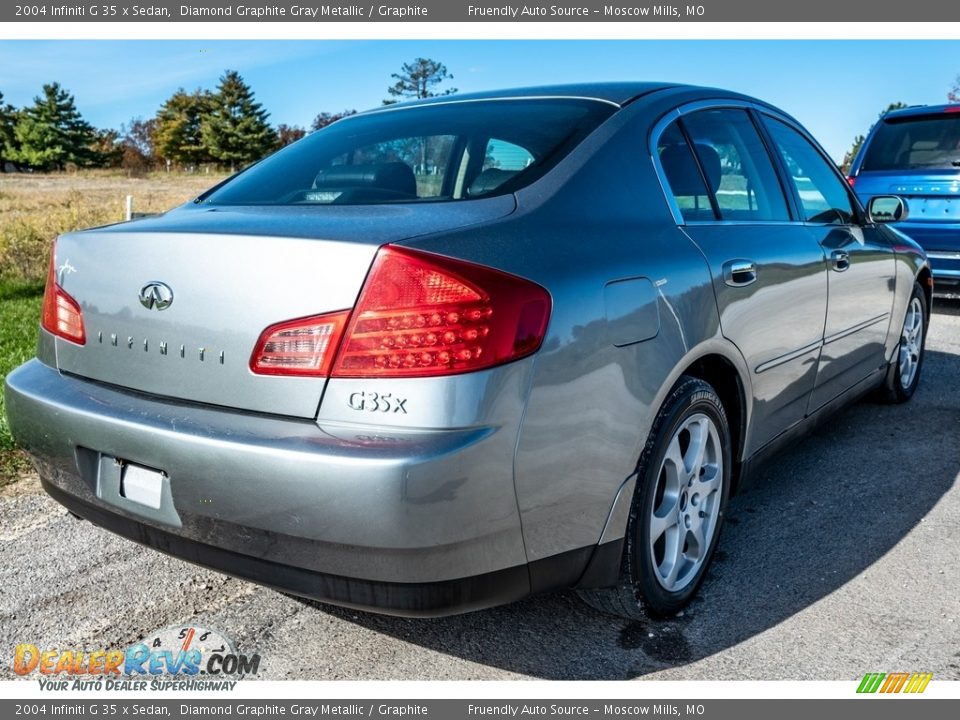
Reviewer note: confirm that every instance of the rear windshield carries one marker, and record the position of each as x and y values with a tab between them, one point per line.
928	141
433	153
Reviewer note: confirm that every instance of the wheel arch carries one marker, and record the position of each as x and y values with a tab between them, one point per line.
723	375
719	363
925	278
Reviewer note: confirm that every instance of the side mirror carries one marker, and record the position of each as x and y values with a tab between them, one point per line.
887	209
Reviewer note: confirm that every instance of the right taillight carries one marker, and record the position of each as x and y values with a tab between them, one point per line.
851	180
422	315
61	314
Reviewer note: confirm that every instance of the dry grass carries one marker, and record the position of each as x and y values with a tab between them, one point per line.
35	208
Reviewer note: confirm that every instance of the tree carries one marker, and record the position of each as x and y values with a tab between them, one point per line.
138	135
8	121
419	79
138	145
287	134
235	129
953	94
107	148
51	133
851	154
176	134
325	118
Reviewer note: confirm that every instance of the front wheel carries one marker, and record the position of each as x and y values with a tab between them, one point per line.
903	376
683	483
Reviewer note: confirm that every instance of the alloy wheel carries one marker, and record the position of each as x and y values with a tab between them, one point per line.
686	504
911	342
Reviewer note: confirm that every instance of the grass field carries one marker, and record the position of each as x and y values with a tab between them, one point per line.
19	319
34	209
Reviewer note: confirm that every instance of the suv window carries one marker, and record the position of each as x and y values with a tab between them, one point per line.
823	195
925	141
441	152
736	163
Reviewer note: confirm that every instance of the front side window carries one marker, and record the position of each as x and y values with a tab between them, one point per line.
442	152
823	194
735	161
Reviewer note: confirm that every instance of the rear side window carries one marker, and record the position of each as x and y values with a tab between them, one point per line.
439	153
684	176
915	143
823	196
737	166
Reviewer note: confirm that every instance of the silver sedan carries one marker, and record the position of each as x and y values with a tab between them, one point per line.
440	356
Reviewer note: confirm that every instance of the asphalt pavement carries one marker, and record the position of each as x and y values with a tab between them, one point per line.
843	559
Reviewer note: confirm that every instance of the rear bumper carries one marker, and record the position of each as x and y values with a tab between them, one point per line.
407	599
414	523
941	241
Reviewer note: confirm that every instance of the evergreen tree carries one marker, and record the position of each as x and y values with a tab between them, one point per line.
8	120
419	79
176	132
51	133
235	130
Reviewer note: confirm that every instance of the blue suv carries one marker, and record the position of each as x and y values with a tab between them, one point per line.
915	153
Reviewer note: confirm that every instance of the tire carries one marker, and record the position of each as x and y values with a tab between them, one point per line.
676	513
903	377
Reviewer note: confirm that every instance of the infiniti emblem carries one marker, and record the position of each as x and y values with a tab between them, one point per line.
156	295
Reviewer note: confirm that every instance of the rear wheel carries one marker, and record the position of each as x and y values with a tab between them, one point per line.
683	483
904	374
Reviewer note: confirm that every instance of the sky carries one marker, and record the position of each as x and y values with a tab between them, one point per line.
835	88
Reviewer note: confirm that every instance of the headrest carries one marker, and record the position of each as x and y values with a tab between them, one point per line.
489	180
395	176
681	170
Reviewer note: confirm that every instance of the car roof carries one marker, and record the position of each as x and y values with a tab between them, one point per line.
921	110
618	93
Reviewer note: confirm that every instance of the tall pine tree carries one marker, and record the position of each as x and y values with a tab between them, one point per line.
235	130
51	133
176	130
419	79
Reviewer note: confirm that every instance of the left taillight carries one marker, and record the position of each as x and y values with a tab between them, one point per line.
61	313
305	346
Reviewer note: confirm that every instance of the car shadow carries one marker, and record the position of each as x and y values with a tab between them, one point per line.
946	306
819	514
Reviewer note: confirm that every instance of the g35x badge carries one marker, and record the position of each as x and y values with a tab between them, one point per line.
375	402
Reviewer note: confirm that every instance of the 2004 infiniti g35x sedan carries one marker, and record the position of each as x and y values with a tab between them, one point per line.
440	356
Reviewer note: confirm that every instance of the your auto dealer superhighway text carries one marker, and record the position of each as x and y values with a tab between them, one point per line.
306	12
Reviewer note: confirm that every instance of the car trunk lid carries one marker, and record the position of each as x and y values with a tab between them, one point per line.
231	273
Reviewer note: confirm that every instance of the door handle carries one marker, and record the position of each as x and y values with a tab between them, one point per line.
840	260
739	273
